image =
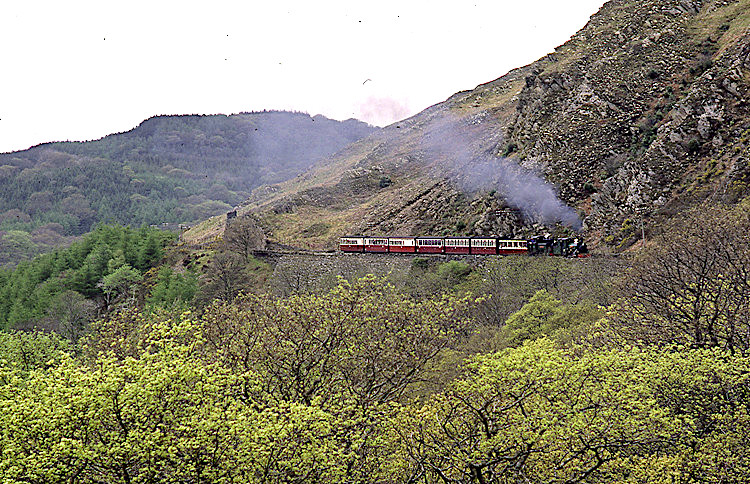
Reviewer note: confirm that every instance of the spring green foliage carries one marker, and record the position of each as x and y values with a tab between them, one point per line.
370	383
31	351
541	414
546	316
324	389
261	390
105	262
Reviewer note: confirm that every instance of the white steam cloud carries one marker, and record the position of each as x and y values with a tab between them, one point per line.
455	144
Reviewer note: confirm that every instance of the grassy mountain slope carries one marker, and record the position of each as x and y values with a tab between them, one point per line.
169	169
643	112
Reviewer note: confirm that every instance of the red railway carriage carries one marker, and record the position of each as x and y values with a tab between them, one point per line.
376	244
457	245
512	247
352	244
564	247
430	245
483	245
402	245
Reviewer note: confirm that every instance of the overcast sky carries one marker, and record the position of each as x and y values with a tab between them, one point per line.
79	70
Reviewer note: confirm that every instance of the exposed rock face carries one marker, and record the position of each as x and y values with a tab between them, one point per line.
642	112
648	92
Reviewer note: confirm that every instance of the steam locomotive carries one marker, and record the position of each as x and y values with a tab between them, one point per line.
562	246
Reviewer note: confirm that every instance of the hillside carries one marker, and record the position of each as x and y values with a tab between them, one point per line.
642	113
126	357
169	169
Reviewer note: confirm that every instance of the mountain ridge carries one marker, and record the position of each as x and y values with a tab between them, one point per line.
168	169
624	120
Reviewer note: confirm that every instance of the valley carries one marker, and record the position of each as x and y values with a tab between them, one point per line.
243	346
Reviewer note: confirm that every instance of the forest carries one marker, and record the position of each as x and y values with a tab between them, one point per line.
132	351
169	170
56	286
514	370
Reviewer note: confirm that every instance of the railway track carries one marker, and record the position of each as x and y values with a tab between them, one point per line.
295	251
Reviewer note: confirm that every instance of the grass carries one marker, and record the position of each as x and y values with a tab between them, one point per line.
205	231
311	227
259	272
731	21
495	96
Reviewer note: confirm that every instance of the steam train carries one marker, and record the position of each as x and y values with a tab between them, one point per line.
562	246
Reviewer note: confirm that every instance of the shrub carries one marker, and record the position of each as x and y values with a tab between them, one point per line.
419	263
385	182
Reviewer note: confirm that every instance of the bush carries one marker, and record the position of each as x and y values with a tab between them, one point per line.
419	263
453	272
510	148
385	182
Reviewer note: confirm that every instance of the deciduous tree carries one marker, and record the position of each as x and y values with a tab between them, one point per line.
693	285
243	235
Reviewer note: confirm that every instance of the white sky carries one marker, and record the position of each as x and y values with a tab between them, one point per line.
79	70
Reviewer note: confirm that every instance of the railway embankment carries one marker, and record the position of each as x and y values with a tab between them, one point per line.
316	271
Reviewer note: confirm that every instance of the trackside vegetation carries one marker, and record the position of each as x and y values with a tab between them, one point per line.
330	389
508	372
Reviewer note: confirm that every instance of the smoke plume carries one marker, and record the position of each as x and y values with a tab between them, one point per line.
456	145
522	189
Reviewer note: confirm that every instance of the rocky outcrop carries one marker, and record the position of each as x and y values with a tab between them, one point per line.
643	112
636	105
